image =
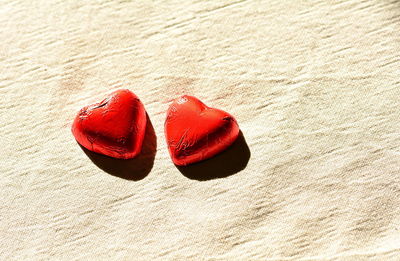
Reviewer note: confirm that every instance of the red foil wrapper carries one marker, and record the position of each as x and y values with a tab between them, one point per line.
114	127
195	132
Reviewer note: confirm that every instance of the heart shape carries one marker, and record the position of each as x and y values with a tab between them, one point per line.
196	132
114	127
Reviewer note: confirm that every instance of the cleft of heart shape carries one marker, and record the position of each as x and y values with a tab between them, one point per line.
114	127
195	132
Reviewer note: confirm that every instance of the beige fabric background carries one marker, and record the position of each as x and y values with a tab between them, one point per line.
314	86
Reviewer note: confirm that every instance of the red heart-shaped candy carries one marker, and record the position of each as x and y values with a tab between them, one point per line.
114	127
195	132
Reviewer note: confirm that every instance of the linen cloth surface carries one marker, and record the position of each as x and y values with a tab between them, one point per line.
314	86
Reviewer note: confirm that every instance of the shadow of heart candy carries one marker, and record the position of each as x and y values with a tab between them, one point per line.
229	162
130	169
